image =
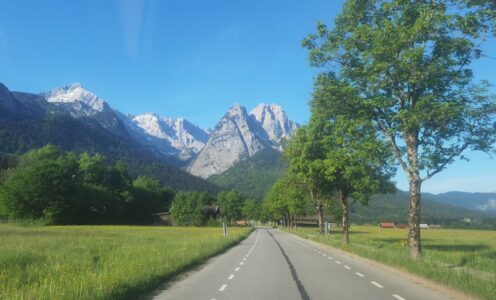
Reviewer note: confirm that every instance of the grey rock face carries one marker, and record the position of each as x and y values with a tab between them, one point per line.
239	136
275	124
165	136
178	137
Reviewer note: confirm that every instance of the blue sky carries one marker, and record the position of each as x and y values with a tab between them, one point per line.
190	59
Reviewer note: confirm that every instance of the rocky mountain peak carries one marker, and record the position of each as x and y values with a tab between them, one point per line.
180	136
76	100
274	122
239	136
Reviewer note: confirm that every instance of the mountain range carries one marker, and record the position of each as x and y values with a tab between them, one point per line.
178	142
243	151
29	121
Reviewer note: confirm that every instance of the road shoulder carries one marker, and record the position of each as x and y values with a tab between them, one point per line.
427	283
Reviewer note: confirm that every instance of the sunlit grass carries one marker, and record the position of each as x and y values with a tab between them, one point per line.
462	259
100	262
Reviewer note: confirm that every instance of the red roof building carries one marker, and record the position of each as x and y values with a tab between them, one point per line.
386	225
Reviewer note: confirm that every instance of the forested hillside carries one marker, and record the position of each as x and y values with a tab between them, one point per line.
254	176
393	208
28	122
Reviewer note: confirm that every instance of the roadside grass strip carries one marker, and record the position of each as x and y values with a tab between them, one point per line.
101	262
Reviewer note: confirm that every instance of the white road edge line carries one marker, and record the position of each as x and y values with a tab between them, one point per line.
360	274
346	267
376	284
223	287
398	297
231	277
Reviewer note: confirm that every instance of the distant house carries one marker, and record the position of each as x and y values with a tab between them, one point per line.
424	226
241	222
401	226
211	211
312	221
163	218
386	225
433	226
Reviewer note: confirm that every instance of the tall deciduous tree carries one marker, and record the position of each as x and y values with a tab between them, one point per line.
288	199
356	164
305	156
231	205
410	62
251	210
187	208
41	187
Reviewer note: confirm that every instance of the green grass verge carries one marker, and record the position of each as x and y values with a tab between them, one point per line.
101	262
461	259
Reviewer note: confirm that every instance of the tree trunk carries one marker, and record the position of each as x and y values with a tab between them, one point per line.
411	140
346	223
295	222
414	219
321	217
318	206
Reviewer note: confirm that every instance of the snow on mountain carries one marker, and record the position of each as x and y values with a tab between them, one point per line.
184	138
240	135
76	100
237	136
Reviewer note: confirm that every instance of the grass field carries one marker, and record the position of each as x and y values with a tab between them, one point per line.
462	259
100	262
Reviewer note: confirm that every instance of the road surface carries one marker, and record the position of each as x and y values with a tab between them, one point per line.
271	264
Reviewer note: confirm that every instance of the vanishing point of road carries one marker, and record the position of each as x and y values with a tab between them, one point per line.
271	264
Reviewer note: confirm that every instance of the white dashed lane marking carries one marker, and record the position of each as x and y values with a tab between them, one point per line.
231	277
237	269
241	263
223	287
398	297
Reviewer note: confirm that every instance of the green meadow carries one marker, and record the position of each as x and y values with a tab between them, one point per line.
101	262
462	259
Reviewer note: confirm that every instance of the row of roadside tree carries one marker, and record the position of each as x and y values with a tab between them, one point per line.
395	88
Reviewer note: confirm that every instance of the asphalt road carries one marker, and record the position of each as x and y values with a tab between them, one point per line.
271	264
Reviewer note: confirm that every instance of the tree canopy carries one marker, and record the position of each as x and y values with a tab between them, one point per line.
408	63
61	188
